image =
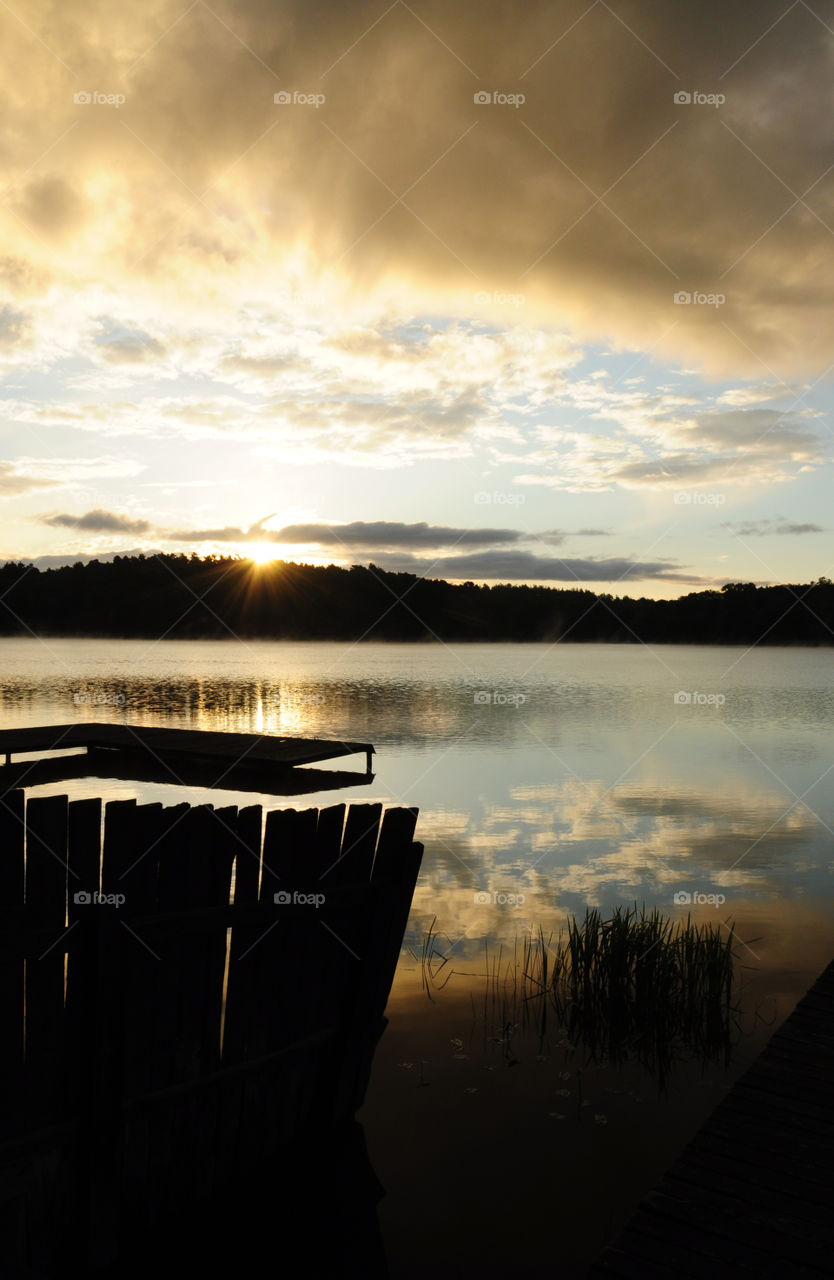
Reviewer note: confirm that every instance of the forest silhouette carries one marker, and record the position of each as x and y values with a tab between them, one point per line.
192	597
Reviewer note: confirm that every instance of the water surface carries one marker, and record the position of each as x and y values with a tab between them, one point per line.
549	779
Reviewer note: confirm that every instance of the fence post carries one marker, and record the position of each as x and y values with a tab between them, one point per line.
100	1085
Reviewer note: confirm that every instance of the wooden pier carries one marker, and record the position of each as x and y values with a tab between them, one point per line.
187	757
185	992
753	1193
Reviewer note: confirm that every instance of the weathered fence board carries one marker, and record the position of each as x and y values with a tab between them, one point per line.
11	966
182	992
359	843
46	874
331	823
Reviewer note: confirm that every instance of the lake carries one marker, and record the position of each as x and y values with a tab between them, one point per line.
549	779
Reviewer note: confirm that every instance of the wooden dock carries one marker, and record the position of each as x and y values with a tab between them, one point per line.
753	1193
190	757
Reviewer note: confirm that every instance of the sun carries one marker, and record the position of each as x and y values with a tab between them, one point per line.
261	552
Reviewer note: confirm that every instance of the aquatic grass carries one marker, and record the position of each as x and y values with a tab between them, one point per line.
633	985
637	985
432	962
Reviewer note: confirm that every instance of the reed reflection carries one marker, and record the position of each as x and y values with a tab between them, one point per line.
633	987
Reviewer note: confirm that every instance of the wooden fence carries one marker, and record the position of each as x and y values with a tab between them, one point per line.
183	991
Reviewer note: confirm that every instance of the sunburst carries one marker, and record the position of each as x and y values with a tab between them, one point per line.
261	552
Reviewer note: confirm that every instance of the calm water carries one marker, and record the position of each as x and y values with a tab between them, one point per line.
548	779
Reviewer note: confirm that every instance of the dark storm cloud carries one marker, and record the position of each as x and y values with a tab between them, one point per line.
597	198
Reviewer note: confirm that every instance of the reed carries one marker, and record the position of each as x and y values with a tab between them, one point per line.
633	985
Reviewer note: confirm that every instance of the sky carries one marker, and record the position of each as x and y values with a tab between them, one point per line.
492	292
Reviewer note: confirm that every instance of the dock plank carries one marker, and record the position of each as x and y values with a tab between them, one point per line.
236	747
752	1192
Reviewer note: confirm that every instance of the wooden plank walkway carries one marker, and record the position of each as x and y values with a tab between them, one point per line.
256	748
753	1193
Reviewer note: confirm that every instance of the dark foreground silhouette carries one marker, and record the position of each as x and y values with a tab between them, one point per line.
186	597
752	1193
190	1001
311	1213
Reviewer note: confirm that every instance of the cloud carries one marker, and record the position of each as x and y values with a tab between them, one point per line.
371	535
385	533
358	533
654	445
365	398
593	202
764	430
299	392
50	204
524	566
59	561
766	527
14	327
13	481
389	543
402	275
556	537
119	344
97	521
673	471
743	396
226	533
488	566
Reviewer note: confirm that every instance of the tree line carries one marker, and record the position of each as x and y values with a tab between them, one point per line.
193	597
